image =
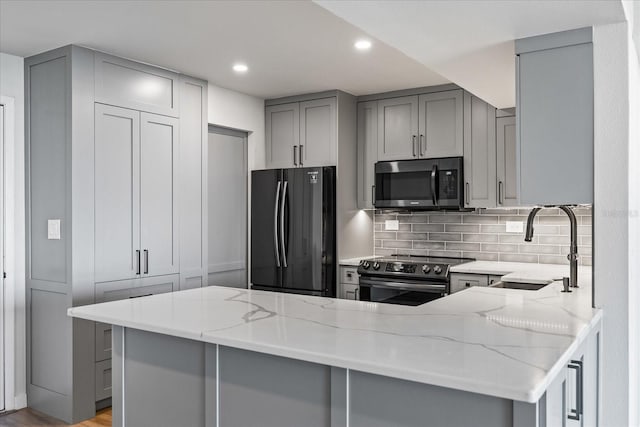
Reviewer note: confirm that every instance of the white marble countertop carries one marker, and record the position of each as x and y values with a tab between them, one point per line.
523	272
499	342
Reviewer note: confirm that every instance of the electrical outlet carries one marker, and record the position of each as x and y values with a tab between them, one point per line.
515	226
53	229
391	225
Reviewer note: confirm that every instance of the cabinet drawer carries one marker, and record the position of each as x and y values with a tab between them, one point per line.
103	341
463	281
133	85
349	275
494	279
349	291
103	379
134	288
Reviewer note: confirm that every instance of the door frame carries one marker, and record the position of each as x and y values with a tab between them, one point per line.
222	130
9	286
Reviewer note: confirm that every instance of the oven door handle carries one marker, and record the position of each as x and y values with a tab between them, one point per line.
425	287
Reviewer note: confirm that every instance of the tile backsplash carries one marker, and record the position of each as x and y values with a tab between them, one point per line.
482	235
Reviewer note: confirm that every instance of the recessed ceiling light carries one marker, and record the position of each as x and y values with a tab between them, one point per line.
363	44
240	68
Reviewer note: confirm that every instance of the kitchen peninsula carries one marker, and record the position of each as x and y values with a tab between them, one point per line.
226	357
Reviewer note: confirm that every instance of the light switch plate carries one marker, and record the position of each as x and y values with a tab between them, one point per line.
515	226
391	224
53	229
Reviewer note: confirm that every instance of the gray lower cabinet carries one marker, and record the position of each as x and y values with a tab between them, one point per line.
459	282
554	112
349	283
302	134
506	159
105	157
398	128
479	153
367	152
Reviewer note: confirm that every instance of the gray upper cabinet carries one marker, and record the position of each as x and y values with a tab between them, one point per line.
479	153
398	128
506	161
318	136
441	128
133	85
158	207
367	152
554	96
301	134
117	195
283	135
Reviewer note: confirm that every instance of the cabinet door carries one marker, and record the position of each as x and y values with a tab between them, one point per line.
398	128
350	291
117	234
441	124
506	161
318	134
554	95
367	152
479	153
158	195
283	135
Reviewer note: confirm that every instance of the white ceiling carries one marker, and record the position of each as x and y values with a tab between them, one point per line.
291	47
469	41
296	47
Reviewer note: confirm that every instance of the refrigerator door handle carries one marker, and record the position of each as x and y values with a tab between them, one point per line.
282	236
275	225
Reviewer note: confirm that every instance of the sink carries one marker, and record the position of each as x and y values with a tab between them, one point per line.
519	285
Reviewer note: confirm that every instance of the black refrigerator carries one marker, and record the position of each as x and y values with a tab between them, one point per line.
293	230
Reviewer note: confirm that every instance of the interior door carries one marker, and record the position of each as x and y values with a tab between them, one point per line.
2	261
266	193
305	235
227	188
117	210
398	128
158	194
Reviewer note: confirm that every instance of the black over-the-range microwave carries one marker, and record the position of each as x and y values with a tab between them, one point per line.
427	184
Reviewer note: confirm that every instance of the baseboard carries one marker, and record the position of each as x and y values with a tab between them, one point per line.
20	401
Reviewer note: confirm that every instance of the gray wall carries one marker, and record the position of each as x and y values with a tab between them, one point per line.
12	85
482	235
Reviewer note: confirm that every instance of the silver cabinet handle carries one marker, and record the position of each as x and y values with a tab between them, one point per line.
138	263
275	225
413	145
500	192
575	413
146	261
373	195
300	155
466	193
295	153
282	236
425	145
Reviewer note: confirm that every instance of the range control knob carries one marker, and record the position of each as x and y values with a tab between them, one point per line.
376	265
426	269
366	265
437	269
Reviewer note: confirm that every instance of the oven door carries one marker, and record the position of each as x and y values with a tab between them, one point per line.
402	292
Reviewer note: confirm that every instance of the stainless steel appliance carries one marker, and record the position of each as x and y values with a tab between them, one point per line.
405	279
427	184
293	223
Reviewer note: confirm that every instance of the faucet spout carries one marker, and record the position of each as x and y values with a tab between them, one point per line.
573	250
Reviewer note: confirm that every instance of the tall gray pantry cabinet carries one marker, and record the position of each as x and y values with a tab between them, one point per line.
116	151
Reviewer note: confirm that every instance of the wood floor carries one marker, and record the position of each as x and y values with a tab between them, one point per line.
29	418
